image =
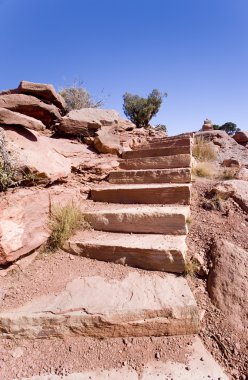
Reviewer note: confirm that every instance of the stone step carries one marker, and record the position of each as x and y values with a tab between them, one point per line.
139	304
156	152
165	253
141	219
182	175
161	143
164	162
143	194
191	362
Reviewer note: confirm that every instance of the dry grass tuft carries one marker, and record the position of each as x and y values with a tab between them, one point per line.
64	222
203	150
203	169
191	268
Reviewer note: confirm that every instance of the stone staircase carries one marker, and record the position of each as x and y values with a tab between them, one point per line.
139	220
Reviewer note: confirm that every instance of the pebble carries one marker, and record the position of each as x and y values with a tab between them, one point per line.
157	355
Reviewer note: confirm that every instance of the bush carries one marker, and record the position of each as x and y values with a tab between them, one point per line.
141	110
64	222
77	97
203	150
161	127
229	127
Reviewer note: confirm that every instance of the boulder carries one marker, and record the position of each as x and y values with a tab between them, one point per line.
125	124
107	142
45	92
10	118
231	163
24	218
31	106
241	137
87	121
236	189
38	154
228	282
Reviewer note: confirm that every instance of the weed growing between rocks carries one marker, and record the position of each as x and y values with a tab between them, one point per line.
203	150
64	222
191	268
203	169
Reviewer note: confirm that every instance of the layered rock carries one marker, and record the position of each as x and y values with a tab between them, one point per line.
29	105
10	118
24	219
45	92
87	121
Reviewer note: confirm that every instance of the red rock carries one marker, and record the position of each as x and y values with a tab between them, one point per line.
24	217
87	121
31	106
107	142
45	92
10	118
228	282
241	137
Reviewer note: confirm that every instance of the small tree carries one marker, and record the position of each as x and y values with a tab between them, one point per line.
141	110
77	97
161	127
229	127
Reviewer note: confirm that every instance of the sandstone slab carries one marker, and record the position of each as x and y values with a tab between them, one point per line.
107	142
155	152
142	219
164	162
45	92
40	154
162	143
10	118
149	176
24	218
228	282
31	106
164	253
87	121
146	194
136	305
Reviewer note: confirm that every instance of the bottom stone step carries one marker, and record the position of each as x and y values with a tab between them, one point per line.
139	304
165	253
193	362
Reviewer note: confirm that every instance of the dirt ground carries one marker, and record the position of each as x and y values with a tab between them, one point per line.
226	220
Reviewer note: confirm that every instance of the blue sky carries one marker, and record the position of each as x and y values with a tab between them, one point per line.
195	50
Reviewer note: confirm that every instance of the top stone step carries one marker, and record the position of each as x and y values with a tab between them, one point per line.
162	143
156	152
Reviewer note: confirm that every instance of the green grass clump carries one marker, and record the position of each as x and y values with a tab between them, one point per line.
64	222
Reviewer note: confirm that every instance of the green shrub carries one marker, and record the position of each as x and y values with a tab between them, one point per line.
141	110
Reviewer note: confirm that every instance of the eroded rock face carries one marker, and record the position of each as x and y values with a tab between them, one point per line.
236	189
45	92
107	142
17	119
38	154
24	218
31	106
87	121
228	281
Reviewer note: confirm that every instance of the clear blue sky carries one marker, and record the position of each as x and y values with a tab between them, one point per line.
195	50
